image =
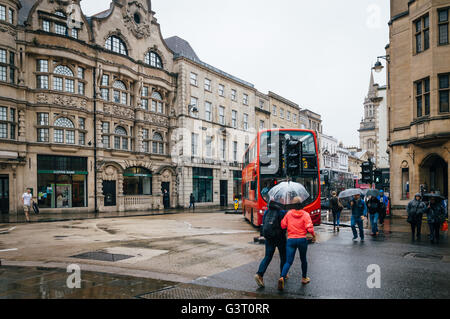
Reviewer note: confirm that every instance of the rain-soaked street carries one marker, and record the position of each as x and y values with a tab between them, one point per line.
210	255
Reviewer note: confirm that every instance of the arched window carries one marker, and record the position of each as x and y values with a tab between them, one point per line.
120	138
116	45
137	181
158	144
64	131
60	13
120	93
153	59
370	144
63	79
157	103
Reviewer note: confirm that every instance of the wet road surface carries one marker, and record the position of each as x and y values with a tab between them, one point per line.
212	256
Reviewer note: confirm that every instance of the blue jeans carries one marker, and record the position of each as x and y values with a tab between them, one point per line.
336	218
270	251
357	221
374	222
292	245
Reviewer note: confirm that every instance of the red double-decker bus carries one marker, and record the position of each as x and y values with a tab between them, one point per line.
264	167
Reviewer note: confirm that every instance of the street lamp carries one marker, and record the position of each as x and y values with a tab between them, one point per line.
192	108
378	65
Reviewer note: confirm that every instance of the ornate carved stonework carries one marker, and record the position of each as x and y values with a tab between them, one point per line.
9	30
145	164
137	20
119	111
110	173
62	100
155	119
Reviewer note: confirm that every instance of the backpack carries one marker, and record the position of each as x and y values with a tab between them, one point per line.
272	225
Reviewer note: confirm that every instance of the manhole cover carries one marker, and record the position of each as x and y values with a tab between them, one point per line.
102	256
423	256
193	292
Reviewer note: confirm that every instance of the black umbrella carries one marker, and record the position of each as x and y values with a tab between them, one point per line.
434	196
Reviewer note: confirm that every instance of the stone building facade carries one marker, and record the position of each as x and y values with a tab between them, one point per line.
284	113
102	114
373	127
88	107
418	98
216	123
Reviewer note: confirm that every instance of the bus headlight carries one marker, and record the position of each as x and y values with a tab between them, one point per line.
261	212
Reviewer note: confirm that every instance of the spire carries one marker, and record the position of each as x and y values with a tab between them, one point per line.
372	89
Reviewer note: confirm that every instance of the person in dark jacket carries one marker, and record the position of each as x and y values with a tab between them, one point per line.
385	201
416	208
166	199
272	243
336	209
359	212
436	216
374	206
192	201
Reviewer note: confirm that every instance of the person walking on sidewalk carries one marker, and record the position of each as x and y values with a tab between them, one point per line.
384	200
374	206
416	208
298	224
275	238
359	213
27	200
336	209
436	217
192	201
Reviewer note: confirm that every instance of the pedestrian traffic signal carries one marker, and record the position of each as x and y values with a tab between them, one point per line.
293	157
378	177
367	172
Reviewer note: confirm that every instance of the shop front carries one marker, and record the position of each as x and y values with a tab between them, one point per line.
203	185
62	182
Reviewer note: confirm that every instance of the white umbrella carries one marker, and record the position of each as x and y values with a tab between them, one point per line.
350	192
284	193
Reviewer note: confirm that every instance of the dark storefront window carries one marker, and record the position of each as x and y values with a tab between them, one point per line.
137	181
203	185
237	184
62	181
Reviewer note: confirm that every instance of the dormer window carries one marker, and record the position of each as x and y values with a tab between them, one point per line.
153	59
60	14
60	29
116	45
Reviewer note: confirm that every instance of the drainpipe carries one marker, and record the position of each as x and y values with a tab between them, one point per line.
95	140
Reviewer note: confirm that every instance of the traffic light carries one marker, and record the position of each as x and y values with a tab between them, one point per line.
293	157
367	172
378	177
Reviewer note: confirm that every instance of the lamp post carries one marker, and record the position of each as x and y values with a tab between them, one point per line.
378	67
192	108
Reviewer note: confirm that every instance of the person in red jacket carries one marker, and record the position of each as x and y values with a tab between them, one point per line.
298	224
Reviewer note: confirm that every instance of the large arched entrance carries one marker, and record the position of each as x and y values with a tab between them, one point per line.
434	174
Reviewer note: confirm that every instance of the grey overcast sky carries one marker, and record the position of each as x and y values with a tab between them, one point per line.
317	53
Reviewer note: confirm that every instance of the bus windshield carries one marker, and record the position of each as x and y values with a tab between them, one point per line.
272	170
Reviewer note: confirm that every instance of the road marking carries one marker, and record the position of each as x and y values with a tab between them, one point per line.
6	250
6	231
